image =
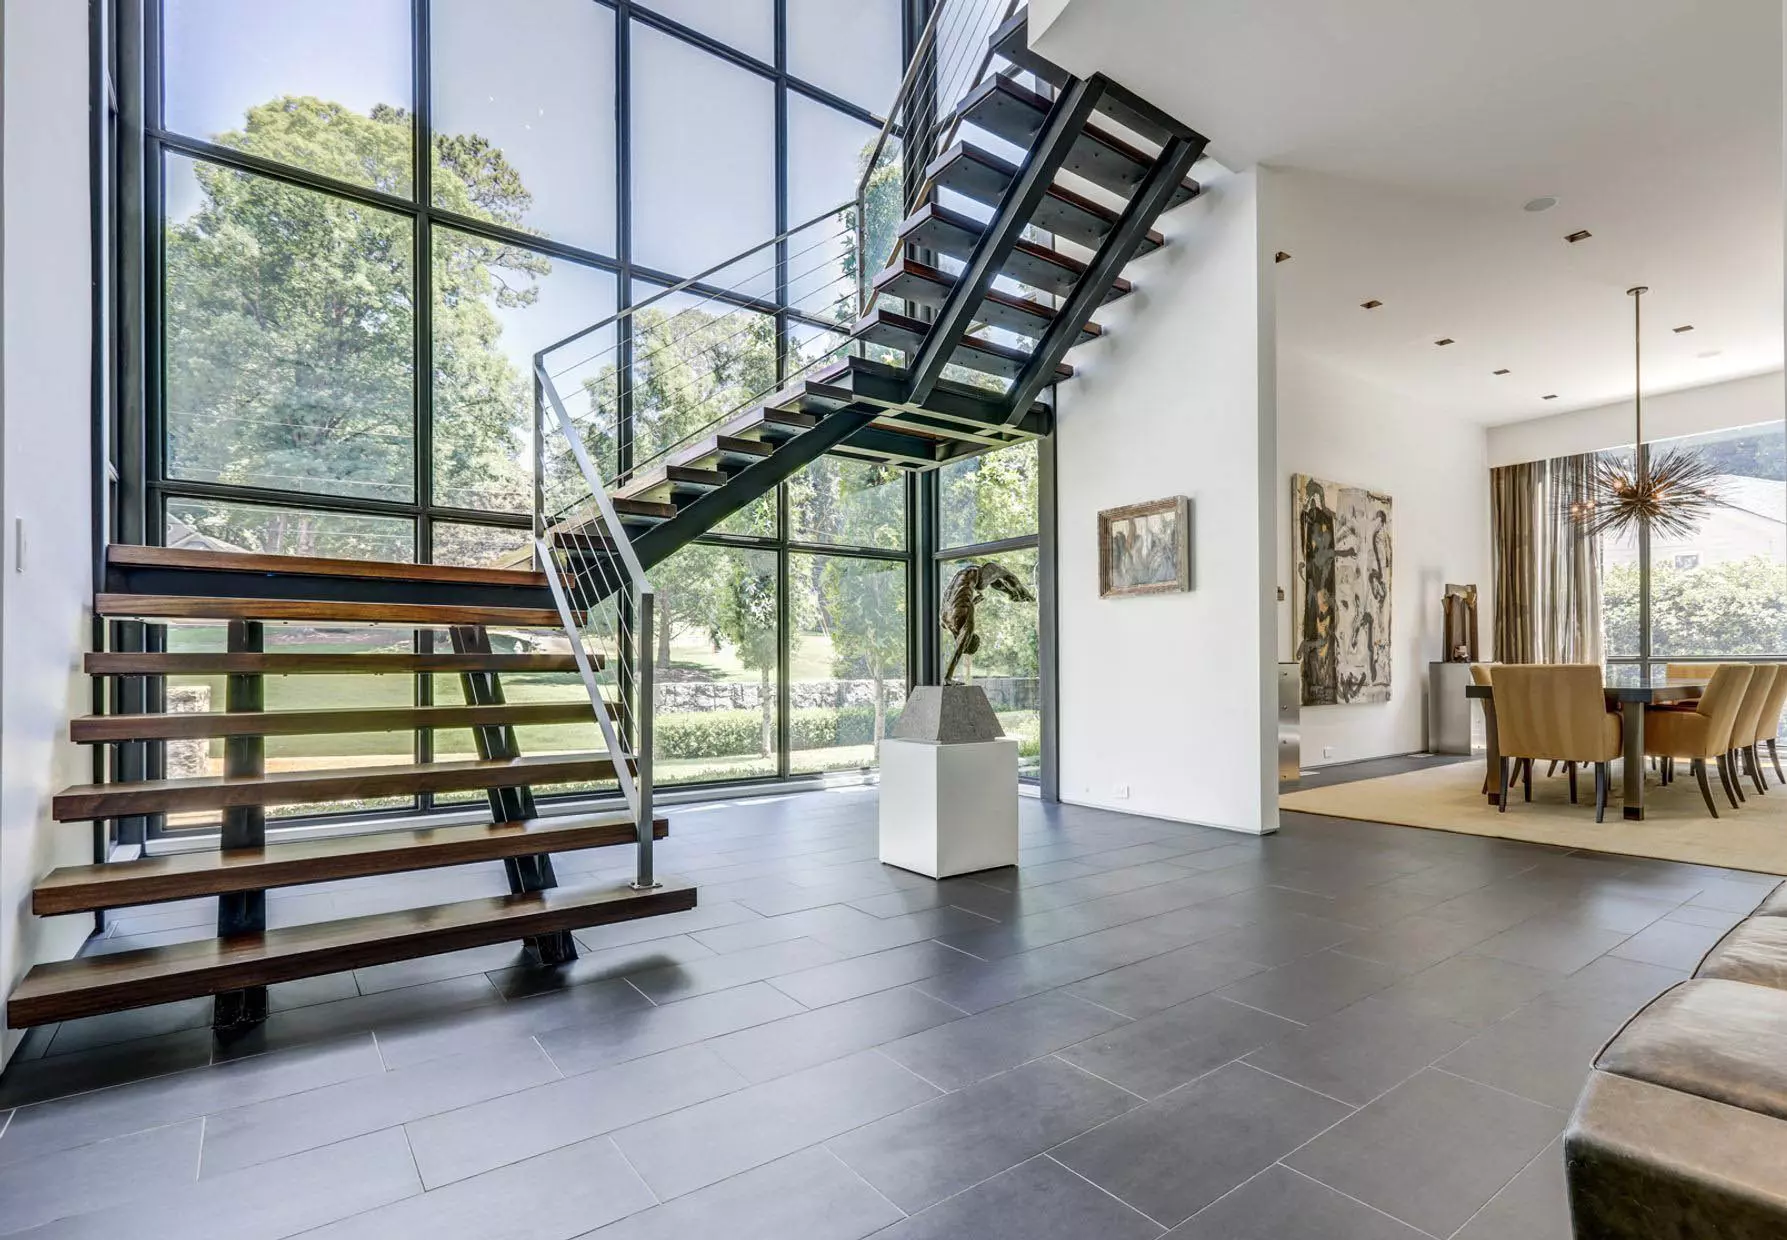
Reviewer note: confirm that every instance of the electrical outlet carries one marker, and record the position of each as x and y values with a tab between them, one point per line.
1327	751
1121	792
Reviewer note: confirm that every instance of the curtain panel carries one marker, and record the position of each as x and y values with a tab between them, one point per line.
1547	572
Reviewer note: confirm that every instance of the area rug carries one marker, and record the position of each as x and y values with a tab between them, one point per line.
1676	828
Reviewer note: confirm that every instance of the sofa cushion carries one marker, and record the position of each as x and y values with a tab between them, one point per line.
1716	1039
1774	904
1753	951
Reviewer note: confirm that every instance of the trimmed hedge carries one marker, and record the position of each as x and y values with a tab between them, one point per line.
710	733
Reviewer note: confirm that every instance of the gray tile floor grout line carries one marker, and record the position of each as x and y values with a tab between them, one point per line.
1488	1201
1217	994
941	1092
378	1050
198	1168
1107	1192
1299	1084
1419	1231
1089	1072
656	1200
7	1122
635	989
541	1046
1127	1018
826	1146
1507	1093
415	1163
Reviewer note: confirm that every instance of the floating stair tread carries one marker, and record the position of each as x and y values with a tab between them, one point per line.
410	615
1013	112
103	729
896	331
681	479
1012	42
195	875
646	509
207	792
911	280
130	663
90	985
982	176
123	554
722	447
934	227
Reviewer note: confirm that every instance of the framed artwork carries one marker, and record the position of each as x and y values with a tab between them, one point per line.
1341	590
1145	548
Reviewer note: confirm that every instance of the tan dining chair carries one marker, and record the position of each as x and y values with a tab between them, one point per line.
1769	726
1556	712
1771	677
1743	728
1703	734
1689	671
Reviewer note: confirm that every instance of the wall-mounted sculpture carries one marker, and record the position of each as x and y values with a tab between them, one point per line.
964	592
1460	623
1341	591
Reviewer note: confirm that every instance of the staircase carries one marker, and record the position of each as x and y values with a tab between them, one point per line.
1018	212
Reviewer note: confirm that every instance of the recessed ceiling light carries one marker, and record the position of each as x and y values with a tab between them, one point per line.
1685	327
1553	396
1581	234
1373	304
1446	341
1542	204
1280	257
1502	371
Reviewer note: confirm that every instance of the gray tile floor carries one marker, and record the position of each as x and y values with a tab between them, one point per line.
1345	1031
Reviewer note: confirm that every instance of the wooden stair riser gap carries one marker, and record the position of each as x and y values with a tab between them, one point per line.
983	177
127	663
355	589
107	729
196	875
943	231
927	286
897	331
406	615
92	801
91	986
125	555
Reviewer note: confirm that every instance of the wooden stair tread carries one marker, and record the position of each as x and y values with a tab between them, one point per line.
911	280
934	227
412	615
647	509
722	447
982	176
1013	112
194	875
207	792
896	331
1012	42
130	663
90	985
103	729
125	554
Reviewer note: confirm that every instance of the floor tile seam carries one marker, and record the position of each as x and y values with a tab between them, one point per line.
198	1166
860	1177
1107	1192
1185	1084
1506	1093
1299	1084
67	1150
1498	1192
7	1122
210	1062
941	1091
636	1173
1089	1072
1419	1231
1217	994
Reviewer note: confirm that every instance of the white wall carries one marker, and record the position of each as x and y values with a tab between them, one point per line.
1714	407
1170	695
1344	429
45	454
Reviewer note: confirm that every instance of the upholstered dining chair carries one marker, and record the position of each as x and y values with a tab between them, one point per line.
1770	677
1556	712
1769	726
1703	734
1743	728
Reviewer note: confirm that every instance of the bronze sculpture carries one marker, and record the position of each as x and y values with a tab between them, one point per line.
964	592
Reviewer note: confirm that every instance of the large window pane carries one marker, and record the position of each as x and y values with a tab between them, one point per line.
524	115
847	660
290	347
1008	663
745	25
989	498
323	85
852	49
213	525
704	152
826	154
494	306
483	546
717	645
849	503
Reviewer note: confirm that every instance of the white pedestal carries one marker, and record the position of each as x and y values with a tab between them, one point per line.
949	809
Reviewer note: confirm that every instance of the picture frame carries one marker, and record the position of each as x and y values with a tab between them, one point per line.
1145	548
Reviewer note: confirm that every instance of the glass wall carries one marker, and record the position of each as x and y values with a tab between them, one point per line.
1719	593
363	217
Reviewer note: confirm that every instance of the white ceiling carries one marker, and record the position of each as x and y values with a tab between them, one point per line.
1412	131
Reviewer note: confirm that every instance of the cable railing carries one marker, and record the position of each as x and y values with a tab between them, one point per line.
619	398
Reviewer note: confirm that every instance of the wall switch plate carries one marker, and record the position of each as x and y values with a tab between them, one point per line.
1121	792
1327	751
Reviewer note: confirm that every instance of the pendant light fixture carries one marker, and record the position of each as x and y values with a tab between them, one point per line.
1668	492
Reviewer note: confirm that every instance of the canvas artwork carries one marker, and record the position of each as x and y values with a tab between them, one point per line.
1145	548
1341	586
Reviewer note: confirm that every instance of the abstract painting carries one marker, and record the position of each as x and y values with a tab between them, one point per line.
1145	548
1341	591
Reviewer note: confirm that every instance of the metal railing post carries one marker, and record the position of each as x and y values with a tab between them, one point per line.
642	747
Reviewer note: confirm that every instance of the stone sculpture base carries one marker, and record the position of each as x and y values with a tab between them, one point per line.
949	809
948	715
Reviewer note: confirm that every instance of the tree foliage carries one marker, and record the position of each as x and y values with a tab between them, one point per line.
1738	607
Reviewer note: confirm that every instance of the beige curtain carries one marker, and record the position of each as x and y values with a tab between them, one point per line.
1547	574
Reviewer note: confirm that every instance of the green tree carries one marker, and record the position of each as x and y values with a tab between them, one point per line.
291	318
1738	607
747	619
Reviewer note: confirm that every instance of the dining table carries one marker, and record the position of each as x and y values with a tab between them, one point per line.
1630	701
